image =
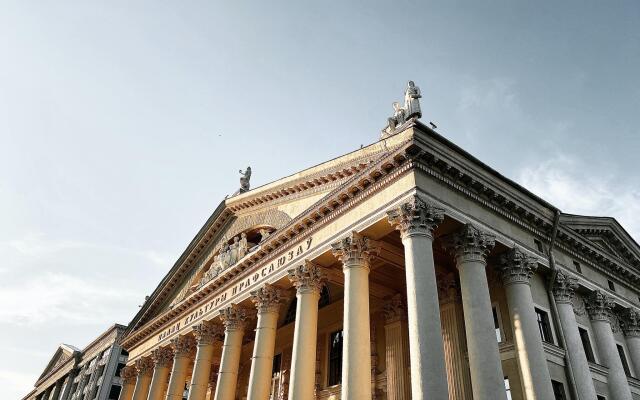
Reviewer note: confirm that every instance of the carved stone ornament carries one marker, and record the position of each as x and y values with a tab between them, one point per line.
448	288
144	366
208	332
416	217
355	250
564	287
233	317
183	346
516	267
599	306
470	244
630	322
129	374
162	356
394	308
307	277
267	299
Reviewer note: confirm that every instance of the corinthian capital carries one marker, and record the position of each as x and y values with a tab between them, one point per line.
416	217
183	345
516	267
307	277
129	374
208	332
394	308
355	250
267	299
233	317
162	356
564	288
599	306
470	244
630	323
144	366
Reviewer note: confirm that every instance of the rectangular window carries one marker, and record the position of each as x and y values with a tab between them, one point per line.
507	387
538	245
544	326
119	368
586	344
496	323
578	267
611	286
335	358
277	364
623	358
114	392
599	397
558	390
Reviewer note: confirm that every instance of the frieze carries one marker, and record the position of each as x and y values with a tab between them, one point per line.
239	288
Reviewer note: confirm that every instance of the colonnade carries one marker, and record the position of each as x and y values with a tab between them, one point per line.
416	221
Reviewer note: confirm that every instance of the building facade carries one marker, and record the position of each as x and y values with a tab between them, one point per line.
407	269
89	374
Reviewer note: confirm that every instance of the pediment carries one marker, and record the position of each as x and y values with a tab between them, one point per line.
63	354
607	234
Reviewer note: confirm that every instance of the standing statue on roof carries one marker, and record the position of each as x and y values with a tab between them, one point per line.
401	114
244	180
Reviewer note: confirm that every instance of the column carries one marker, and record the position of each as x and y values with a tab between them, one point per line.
267	300
355	252
599	307
128	375
233	318
56	389
183	348
396	350
416	221
162	358
630	322
207	333
308	280
470	247
564	291
144	366
213	381
453	336
66	392
516	270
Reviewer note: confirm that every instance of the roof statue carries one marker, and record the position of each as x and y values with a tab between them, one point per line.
244	180
401	114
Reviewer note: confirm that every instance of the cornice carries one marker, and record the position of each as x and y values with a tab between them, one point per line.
387	167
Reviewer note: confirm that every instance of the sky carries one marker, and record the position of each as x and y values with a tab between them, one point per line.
124	124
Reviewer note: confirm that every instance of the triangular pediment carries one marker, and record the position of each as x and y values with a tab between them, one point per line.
63	354
606	234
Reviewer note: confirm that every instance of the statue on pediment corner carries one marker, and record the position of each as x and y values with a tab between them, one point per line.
245	180
409	111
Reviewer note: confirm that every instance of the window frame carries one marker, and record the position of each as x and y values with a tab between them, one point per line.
554	386
589	335
338	378
626	365
549	322
496	306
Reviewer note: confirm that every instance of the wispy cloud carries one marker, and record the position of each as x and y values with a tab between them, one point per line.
580	188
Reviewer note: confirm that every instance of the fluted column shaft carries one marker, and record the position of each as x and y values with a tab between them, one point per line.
517	269
267	299
308	279
206	334
234	322
145	369
183	348
470	247
162	360
128	374
599	308
355	252
416	221
396	350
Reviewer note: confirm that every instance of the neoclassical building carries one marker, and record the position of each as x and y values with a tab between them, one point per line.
92	373
406	269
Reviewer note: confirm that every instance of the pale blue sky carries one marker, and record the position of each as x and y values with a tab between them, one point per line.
123	124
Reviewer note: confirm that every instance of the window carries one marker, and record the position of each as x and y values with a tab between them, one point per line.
291	312
114	392
507	387
611	286
335	358
586	344
325	299
276	374
538	245
277	364
496	323
578	267
544	326
623	358
558	390
601	397
119	368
